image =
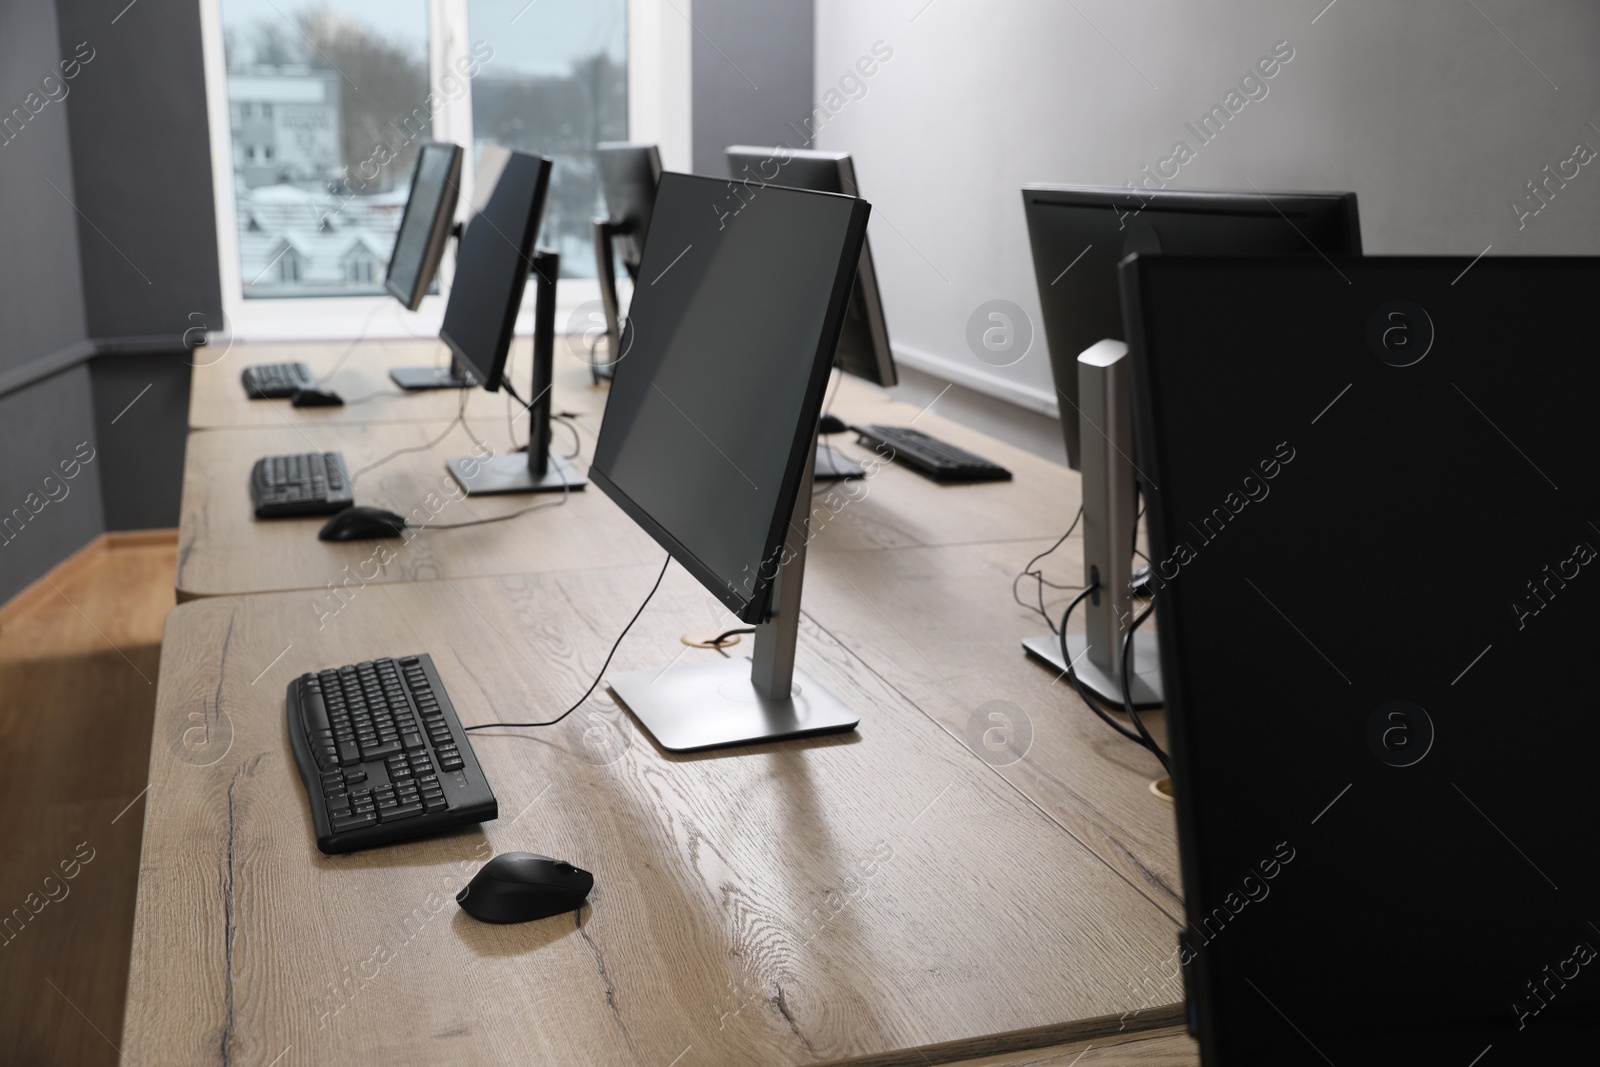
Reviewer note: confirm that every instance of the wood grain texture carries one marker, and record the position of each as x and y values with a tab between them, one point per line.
78	675
217	399
1164	1048
851	897
940	625
224	549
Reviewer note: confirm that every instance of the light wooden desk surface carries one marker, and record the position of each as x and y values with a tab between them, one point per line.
217	400
733	920
224	550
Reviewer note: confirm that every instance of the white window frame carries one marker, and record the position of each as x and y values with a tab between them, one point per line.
658	112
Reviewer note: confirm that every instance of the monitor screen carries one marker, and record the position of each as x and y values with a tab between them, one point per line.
628	176
1383	786
712	416
1079	233
493	260
864	342
425	227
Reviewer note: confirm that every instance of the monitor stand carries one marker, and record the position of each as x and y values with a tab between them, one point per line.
1109	515
726	701
413	379
539	470
832	465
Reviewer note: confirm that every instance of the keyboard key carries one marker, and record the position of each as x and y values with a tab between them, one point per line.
400	811
354	822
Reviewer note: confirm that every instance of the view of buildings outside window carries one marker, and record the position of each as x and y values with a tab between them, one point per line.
328	104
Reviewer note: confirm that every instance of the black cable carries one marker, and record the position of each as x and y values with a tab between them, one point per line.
460	415
1029	572
1127	691
577	442
490	725
1141	738
717	640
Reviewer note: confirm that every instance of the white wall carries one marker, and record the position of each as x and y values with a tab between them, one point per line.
1423	108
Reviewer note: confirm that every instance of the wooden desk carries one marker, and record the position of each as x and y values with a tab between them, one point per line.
224	550
732	919
218	401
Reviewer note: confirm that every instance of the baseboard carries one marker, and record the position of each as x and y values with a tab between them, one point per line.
42	588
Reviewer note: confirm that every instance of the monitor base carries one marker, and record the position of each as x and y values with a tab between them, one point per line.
1145	683
510	474
832	465
697	706
413	379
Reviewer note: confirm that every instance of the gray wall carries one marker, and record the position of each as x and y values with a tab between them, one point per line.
750	76
117	274
1424	109
142	157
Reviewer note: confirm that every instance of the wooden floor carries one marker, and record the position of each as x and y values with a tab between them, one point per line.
77	695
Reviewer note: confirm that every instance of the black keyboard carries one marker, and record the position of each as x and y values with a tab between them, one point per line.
276	381
931	456
382	754
307	483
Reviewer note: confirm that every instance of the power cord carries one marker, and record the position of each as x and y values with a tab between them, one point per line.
1038	576
460	418
551	722
1142	737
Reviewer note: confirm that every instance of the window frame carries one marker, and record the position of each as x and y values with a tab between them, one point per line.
658	111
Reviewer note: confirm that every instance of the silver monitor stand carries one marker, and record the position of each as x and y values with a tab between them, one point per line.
1109	519
739	701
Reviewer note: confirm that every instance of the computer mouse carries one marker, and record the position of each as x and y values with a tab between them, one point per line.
361	524
831	424
517	887
315	398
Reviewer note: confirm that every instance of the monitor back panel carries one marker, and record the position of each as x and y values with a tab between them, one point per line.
1376	533
1078	234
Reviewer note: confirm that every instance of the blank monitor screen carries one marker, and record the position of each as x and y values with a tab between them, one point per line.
628	176
1376	536
493	260
425	227
864	342
712	415
1079	233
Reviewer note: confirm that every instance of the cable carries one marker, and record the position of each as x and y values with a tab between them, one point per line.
1127	691
357	339
551	722
1140	738
1029	572
577	442
460	415
724	635
374	396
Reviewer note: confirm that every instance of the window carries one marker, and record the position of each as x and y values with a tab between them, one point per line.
557	85
318	86
317	108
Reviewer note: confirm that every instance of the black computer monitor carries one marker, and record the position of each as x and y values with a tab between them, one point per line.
628	176
1079	233
1382	810
495	257
709	435
425	226
864	342
494	260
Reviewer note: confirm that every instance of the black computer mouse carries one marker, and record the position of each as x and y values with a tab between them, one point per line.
315	398
517	887
362	524
831	424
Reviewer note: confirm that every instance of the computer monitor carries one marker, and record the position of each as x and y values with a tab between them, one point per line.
495	257
1079	233
628	176
710	432
864	342
425	226
1379	809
